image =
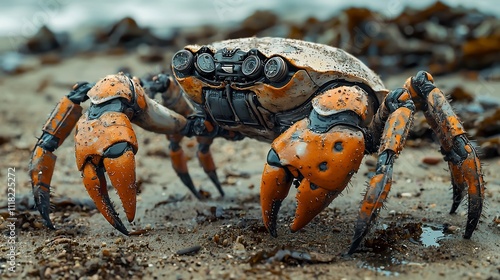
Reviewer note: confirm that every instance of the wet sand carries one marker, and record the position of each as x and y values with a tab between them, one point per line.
229	230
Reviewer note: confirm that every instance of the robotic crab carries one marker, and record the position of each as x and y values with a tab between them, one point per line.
320	108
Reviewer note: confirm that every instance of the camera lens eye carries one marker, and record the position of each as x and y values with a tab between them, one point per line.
252	66
182	61
275	69
205	63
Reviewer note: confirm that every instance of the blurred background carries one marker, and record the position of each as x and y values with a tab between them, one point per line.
18	17
440	36
456	37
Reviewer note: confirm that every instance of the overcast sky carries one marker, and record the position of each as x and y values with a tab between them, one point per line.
26	16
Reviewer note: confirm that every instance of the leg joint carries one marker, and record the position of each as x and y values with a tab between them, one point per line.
79	92
459	152
385	159
423	84
203	148
48	142
399	98
174	146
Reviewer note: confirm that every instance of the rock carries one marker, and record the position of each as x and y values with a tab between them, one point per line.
127	33
406	195
490	147
189	251
481	52
488	124
255	23
106	253
458	94
43	41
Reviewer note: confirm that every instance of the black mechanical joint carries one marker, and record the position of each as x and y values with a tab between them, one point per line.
393	100
458	153
195	126
117	150
385	159
48	142
321	124
95	111
159	83
422	84
79	93
273	158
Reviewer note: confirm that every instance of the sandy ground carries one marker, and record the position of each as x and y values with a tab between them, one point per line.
228	230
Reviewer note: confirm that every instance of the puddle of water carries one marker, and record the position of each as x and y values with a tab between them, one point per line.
387	265
431	235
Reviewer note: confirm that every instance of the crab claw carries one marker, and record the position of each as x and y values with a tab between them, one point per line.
275	186
311	200
95	183
108	144
323	163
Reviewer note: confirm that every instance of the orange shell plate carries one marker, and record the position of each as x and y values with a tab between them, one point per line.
93	137
116	86
315	155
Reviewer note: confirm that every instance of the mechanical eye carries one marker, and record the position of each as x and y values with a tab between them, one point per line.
275	69
182	61
205	64
252	66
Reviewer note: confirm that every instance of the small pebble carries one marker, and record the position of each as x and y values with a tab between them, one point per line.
106	253
48	273
190	250
216	238
37	225
405	194
431	160
451	229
